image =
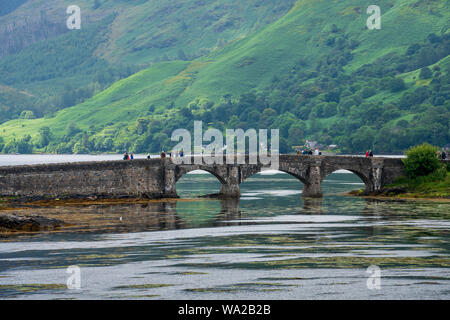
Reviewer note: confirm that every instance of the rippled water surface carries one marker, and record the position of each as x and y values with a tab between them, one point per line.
270	244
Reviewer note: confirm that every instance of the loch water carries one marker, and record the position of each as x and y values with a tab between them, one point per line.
270	244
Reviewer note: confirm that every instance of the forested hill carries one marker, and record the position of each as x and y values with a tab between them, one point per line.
315	72
46	67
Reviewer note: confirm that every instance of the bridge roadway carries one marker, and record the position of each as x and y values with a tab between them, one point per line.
157	178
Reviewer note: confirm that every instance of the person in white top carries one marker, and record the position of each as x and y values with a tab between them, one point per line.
316	152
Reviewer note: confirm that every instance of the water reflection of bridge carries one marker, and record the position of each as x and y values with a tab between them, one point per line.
166	215
172	215
183	214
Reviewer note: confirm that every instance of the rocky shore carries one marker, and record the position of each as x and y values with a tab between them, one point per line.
13	222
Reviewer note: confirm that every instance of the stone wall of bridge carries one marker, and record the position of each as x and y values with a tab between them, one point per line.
139	178
157	178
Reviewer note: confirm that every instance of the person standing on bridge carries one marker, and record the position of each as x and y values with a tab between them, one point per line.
125	156
132	157
163	155
367	153
443	155
371	153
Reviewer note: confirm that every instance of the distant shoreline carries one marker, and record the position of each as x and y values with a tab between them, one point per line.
32	159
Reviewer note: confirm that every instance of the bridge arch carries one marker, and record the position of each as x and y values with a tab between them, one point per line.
204	185
251	173
365	178
296	175
299	173
181	171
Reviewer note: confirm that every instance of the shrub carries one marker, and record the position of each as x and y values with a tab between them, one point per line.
425	73
23	146
27	114
367	92
421	160
397	85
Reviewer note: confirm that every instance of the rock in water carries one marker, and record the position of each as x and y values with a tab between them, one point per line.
13	222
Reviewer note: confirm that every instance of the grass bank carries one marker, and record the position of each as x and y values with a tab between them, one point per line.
433	186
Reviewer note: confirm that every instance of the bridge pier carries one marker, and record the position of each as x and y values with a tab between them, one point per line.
313	188
376	176
230	191
168	183
231	178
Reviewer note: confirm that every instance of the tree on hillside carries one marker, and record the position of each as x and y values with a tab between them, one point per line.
425	73
141	125
45	136
27	114
396	85
267	117
296	133
367	92
185	112
22	146
363	139
85	143
161	142
433	38
334	28
182	55
72	130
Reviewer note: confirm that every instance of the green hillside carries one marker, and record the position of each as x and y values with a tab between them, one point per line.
317	72
62	67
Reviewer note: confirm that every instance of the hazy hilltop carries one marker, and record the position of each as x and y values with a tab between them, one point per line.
310	68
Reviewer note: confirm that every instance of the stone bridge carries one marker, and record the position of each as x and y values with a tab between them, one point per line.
157	178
